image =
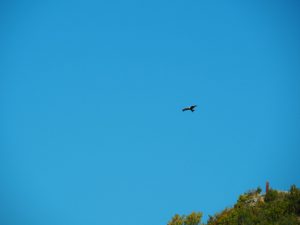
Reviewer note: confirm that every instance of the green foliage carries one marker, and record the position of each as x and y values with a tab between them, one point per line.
271	195
192	219
258	190
176	220
294	200
253	208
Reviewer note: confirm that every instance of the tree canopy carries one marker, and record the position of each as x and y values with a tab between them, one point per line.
253	208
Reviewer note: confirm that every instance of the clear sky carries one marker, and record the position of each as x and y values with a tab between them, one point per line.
91	92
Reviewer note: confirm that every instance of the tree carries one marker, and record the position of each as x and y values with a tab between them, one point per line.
294	200
176	220
193	219
258	190
271	195
273	208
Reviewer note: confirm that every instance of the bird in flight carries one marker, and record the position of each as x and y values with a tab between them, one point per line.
191	108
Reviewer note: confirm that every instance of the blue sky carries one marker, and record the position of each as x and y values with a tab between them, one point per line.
91	128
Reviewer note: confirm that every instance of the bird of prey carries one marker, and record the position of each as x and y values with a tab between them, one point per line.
191	108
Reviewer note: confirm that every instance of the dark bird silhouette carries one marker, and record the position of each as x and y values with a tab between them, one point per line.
191	108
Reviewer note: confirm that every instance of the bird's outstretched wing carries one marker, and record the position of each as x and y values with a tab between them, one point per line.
191	108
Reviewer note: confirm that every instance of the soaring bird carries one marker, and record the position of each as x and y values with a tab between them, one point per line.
191	108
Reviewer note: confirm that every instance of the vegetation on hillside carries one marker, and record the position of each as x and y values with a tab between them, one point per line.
253	208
